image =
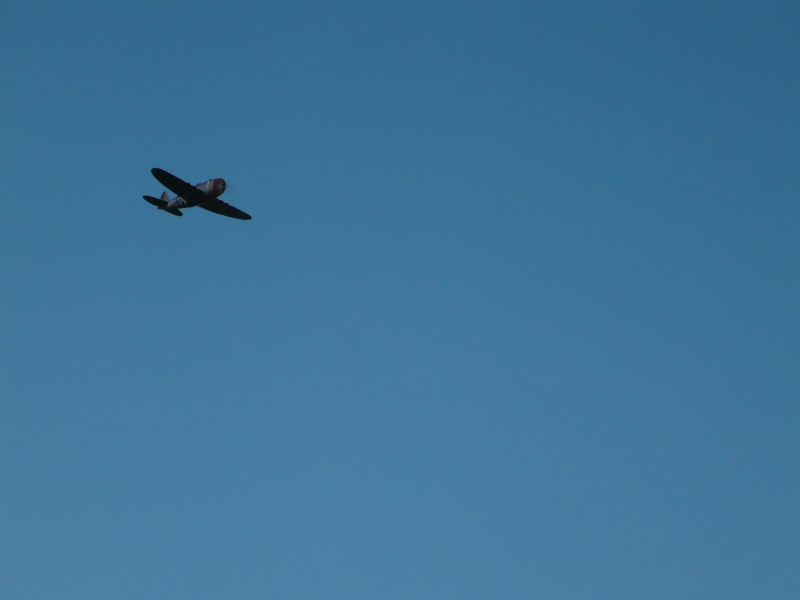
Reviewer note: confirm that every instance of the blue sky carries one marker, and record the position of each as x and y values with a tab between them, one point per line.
516	315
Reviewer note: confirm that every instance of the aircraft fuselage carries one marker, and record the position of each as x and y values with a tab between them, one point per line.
213	188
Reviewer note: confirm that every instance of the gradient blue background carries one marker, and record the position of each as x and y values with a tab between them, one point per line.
516	315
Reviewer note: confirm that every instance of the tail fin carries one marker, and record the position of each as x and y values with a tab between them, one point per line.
165	196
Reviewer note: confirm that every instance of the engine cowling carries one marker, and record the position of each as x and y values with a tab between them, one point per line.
213	187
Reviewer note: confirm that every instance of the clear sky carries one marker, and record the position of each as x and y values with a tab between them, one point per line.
517	314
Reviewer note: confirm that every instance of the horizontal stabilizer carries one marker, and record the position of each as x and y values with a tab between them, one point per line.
155	201
173	211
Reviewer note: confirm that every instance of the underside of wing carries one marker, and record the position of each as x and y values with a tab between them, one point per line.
179	186
223	208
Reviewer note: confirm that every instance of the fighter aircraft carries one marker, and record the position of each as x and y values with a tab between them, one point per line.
205	195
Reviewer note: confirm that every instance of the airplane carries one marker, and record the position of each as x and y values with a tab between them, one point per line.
205	195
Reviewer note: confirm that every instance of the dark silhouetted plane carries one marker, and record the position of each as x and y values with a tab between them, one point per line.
205	195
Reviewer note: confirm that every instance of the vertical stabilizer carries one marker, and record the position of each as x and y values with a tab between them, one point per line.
165	197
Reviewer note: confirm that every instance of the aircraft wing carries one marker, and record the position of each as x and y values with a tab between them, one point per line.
178	186
223	208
